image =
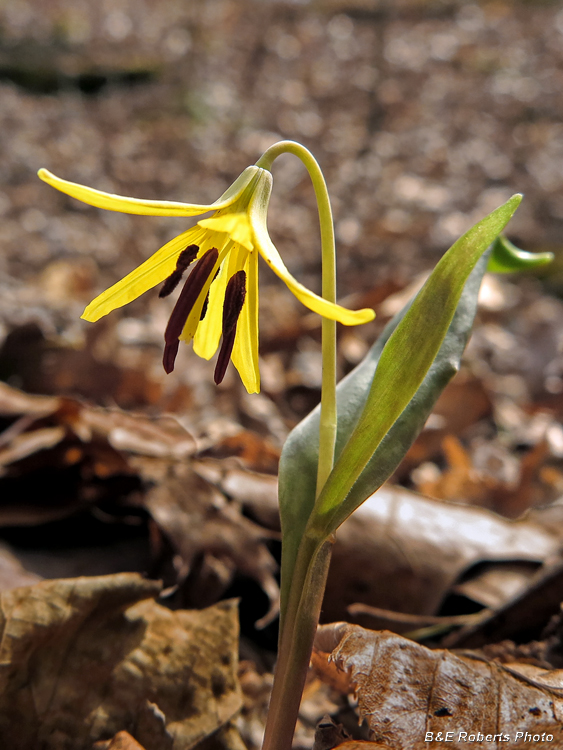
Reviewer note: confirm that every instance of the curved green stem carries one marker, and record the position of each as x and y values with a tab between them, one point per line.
308	580
327	431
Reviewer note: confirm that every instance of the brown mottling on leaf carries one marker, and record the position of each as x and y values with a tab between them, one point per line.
111	630
419	690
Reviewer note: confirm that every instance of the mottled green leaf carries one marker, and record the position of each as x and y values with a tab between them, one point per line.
299	457
404	362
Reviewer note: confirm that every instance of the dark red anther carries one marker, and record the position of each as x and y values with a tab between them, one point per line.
206	301
204	308
169	357
235	294
186	257
183	307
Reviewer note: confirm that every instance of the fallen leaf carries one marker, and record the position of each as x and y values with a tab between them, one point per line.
375	618
12	572
76	447
463	402
495	584
404	552
409	694
254	451
328	734
488	485
14	402
121	741
257	492
84	657
522	617
26	444
362	745
199	520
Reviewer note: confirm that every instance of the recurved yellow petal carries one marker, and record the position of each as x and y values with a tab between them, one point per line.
127	205
208	334
245	350
311	300
150	273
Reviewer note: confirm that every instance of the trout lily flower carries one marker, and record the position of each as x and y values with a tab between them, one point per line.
220	295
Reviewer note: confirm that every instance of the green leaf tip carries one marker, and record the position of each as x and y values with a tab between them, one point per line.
507	258
404	363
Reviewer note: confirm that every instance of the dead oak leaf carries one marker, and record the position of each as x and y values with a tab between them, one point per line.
83	659
122	741
405	690
402	551
199	520
12	573
80	449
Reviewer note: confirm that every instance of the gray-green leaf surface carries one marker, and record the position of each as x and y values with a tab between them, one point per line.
381	409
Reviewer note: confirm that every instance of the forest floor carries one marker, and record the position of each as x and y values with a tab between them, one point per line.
424	116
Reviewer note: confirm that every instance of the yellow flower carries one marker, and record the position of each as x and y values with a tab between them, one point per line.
220	296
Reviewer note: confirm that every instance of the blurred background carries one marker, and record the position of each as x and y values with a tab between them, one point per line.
424	114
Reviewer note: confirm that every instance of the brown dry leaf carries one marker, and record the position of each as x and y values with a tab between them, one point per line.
136	433
406	691
28	443
14	402
398	622
76	447
45	364
487	485
403	552
254	452
81	448
552	678
256	689
121	741
199	520
257	492
521	617
329	734
12	572
83	658
495	584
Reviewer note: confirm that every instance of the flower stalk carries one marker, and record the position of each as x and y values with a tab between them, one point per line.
327	433
298	624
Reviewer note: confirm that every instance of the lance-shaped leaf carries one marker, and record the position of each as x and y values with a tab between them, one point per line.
404	362
448	329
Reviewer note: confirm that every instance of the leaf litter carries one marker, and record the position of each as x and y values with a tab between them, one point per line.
494	440
85	657
405	691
